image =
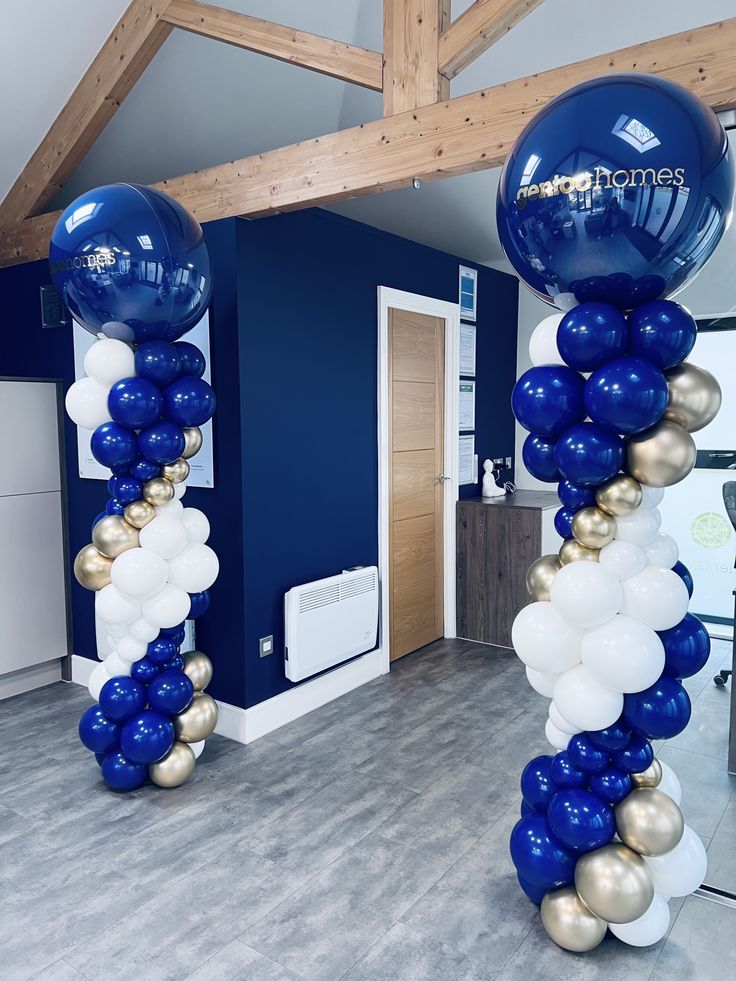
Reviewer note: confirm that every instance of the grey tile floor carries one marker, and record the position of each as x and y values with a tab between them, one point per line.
365	842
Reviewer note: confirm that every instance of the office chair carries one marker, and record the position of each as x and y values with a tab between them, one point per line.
729	500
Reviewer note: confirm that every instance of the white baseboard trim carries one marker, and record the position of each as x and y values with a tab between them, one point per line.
27	679
247	725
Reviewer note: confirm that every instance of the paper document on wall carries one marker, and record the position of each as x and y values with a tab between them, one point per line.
467	472
467	405
467	349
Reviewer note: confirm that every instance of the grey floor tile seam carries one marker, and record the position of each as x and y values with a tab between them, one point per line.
237	940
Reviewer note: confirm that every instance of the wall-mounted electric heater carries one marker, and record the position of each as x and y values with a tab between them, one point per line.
329	621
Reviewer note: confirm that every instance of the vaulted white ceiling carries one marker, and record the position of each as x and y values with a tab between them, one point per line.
201	102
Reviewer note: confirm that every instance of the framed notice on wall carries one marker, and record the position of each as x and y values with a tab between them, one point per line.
201	466
467	349
467	406
468	292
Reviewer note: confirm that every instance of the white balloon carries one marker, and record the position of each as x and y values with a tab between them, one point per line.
86	403
111	606
107	361
180	490
116	667
197	748
624	654
143	631
623	559
584	702
173	507
585	594
139	572
116	631
130	650
657	597
648	929
543	641
662	551
560	722
556	738
670	784
639	527
680	871
197	525
651	496
97	679
166	535
541	681
194	570
543	342
167	608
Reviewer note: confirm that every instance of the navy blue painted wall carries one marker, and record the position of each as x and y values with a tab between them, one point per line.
307	311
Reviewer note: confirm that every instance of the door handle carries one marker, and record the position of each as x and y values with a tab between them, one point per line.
443	477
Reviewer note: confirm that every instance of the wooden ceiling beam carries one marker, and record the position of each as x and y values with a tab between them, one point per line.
469	133
320	54
411	74
477	29
123	58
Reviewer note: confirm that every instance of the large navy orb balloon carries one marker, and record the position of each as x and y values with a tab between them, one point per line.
132	263
617	191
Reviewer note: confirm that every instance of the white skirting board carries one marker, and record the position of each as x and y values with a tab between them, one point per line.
27	679
247	725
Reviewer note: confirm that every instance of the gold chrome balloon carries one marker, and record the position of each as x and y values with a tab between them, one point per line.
139	513
176	767
593	528
569	922
661	456
177	471
193	441
198	721
92	569
113	535
198	668
158	491
649	821
573	551
619	496
651	777
540	575
614	883
695	396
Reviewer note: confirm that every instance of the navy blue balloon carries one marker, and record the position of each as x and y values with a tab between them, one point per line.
189	401
525	809
162	443
177	636
132	263
114	506
611	784
126	489
537	786
191	359
532	892
114	446
162	650
147	737
548	399
581	820
686	647
591	334
574	205
100	757
199	604
574	496
563	522
636	756
663	332
684	573
143	469
175	664
170	692
660	711
614	737
121	774
589	455
585	755
144	670
135	402
98	733
565	774
158	361
538	454
121	698
172	631
627	395
538	856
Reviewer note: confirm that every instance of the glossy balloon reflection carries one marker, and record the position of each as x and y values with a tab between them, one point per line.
569	922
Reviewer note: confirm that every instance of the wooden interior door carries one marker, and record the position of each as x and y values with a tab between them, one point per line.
416	366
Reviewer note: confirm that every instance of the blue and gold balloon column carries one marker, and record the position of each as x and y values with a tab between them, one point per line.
132	267
613	197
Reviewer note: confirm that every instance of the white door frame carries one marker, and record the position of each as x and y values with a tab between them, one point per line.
450	312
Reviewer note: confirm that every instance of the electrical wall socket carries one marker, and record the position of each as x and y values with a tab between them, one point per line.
265	645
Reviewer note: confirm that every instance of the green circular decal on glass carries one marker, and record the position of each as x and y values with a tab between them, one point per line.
710	530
